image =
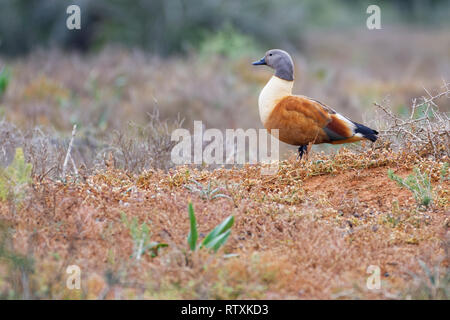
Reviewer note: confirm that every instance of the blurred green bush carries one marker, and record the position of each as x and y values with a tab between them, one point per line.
4	80
174	26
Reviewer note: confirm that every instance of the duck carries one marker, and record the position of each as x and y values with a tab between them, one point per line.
301	120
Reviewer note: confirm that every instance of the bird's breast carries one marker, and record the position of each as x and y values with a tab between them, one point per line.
275	90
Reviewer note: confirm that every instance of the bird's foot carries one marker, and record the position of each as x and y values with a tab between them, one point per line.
301	151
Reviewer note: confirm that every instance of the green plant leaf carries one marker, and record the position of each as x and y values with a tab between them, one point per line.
418	183
218	241
144	229
193	234
4	80
15	177
154	248
124	219
425	268
217	231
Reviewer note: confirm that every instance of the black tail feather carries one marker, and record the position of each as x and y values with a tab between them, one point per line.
366	132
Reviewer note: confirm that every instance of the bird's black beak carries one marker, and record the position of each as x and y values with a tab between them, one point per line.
260	62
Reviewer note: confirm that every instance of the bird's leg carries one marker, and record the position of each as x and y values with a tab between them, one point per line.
301	151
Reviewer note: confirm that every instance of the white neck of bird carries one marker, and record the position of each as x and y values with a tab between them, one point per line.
275	90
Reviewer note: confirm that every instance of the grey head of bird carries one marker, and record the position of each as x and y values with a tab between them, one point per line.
280	61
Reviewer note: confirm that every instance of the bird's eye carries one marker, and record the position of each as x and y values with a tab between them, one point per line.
270	54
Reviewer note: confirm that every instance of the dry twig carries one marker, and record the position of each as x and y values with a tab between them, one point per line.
429	133
69	149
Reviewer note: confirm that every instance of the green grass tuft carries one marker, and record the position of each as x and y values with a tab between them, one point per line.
15	178
418	183
215	239
5	76
141	238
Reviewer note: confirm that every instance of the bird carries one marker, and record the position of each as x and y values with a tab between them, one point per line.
301	120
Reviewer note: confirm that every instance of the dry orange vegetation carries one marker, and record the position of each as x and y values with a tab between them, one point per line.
309	231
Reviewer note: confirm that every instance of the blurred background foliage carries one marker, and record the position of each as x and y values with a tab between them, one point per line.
192	59
178	26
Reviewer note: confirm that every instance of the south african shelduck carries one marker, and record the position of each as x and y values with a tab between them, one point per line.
299	119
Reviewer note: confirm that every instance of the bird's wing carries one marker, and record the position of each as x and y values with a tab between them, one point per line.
302	120
342	130
303	107
339	127
299	120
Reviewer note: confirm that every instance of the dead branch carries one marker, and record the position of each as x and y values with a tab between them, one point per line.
430	132
69	149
